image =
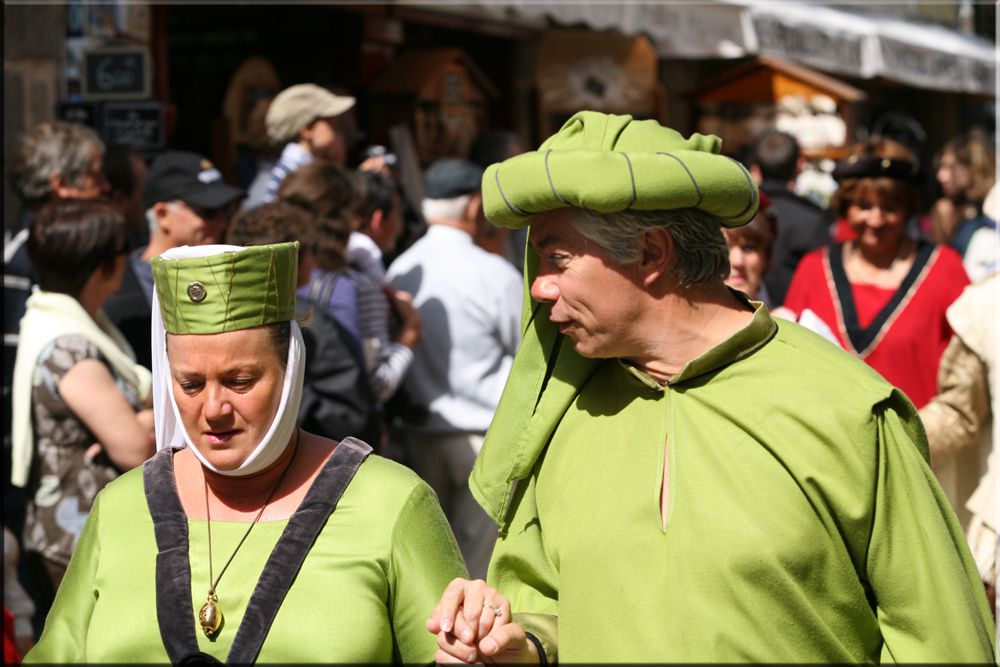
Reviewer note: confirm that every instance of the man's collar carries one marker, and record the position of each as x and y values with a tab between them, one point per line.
449	230
740	345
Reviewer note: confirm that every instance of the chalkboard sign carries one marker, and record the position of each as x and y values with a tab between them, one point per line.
136	124
84	113
116	73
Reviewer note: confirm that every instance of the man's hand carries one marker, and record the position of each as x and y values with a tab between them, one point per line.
473	624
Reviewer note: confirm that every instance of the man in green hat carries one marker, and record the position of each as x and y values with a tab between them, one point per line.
676	476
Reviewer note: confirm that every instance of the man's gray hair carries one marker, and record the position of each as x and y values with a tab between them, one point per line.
445	209
152	221
47	149
699	245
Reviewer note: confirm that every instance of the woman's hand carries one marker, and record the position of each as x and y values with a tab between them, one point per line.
411	326
473	624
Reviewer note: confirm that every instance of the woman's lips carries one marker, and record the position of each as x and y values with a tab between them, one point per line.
219	437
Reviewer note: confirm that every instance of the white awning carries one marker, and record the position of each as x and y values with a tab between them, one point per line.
816	36
932	56
708	29
822	36
923	55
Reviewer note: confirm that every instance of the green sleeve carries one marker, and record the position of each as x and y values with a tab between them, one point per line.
64	638
522	571
930	603
424	560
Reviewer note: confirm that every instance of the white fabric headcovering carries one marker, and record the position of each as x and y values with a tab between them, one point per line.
169	426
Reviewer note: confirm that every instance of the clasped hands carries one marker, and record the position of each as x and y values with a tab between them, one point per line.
473	624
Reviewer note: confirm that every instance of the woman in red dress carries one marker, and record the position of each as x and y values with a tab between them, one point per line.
884	294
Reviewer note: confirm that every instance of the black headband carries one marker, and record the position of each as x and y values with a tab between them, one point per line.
876	166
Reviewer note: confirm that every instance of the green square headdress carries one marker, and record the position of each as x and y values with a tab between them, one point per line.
225	291
214	289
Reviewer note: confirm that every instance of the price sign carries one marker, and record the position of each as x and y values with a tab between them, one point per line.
116	73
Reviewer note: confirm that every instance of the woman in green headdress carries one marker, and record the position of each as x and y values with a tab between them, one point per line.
246	538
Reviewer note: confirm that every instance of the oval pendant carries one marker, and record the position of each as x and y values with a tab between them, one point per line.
210	616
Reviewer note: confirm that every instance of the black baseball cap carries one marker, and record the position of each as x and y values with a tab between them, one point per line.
189	177
452	177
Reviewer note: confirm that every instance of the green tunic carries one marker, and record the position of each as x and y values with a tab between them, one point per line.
363	595
803	524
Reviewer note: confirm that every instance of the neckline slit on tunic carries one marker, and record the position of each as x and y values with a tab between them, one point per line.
665	488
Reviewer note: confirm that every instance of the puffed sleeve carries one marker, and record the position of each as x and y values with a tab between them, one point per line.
64	638
522	571
930	603
956	416
424	560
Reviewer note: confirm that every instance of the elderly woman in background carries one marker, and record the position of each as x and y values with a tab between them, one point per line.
80	402
884	294
750	249
294	548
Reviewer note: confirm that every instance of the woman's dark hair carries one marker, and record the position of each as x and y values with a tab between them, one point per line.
274	222
70	239
118	169
330	192
280	333
901	192
326	189
378	193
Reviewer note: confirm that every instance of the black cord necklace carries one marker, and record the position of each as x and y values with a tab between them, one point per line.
210	615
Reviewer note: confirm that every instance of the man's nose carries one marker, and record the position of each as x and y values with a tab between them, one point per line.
544	288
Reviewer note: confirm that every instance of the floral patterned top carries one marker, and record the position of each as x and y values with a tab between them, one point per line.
63	480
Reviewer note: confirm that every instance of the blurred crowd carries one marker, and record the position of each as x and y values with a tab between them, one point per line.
412	311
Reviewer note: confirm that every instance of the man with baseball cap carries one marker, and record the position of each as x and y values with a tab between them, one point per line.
187	203
308	120
676	475
470	305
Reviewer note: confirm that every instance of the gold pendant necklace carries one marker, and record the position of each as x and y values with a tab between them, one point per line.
210	614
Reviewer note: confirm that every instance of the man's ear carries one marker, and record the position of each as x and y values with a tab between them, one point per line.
162	218
374	223
657	256
474	209
306	133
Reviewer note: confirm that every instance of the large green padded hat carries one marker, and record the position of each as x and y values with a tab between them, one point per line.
609	163
237	288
